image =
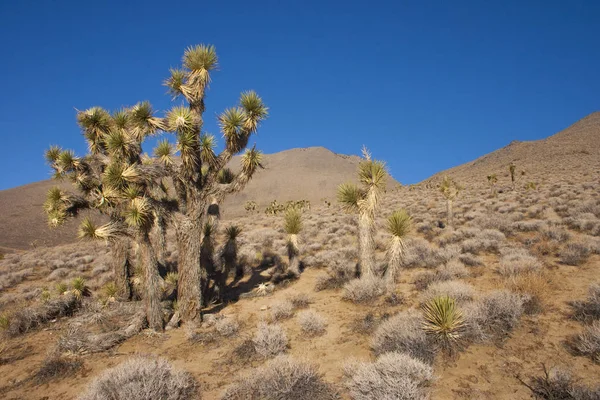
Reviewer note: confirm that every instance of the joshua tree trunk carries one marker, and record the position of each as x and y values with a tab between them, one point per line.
160	233
293	253
394	259
189	293
120	264
366	245
153	290
450	214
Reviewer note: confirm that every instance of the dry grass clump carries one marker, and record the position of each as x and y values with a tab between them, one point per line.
515	261
367	324
403	333
488	240
451	270
534	287
143	378
470	260
559	384
31	317
419	253
227	326
588	310
457	290
281	378
11	279
282	310
300	300
364	290
312	323
575	254
587	343
557	234
337	275
56	366
494	316
392	376
270	340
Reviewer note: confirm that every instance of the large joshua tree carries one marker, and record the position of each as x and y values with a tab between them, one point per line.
114	180
492	180
450	190
197	174
399	225
364	199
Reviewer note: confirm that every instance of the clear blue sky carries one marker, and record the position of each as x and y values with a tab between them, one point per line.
426	85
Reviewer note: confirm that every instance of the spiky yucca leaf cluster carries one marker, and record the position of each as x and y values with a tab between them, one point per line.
232	232
89	230
139	213
399	224
293	221
225	176
79	287
449	188
443	320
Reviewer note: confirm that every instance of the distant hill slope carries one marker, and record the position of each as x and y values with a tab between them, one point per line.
570	153
310	173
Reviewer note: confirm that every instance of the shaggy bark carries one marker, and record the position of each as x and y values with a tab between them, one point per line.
189	232
293	253
394	259
450	214
153	291
120	265
366	231
160	234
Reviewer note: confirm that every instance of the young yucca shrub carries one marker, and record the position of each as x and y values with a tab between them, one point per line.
110	290
270	340
443	321
61	288
143	378
79	287
392	376
281	378
293	221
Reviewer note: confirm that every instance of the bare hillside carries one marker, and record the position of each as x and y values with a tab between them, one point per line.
571	153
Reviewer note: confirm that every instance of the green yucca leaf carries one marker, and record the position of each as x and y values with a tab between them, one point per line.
61	288
56	217
89	230
55	199
251	161
225	176
132	191
79	287
208	230
231	122
254	108
175	81
207	149
164	151
293	221
188	146
232	232
372	173
139	213
449	188
52	154
118	143
121	119
95	119
67	160
443	319
118	175
200	58
110	290
349	196
144	121
181	119
399	224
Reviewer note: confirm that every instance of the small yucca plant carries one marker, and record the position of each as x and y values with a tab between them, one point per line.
79	287
232	232
293	221
45	295
443	320
4	321
293	226
61	288
110	290
399	226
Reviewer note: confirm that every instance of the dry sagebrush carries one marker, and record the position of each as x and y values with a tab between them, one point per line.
312	323
270	340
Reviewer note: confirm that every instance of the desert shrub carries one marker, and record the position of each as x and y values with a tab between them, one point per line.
311	322
444	322
33	316
366	325
575	254
281	378
516	261
494	315
270	340
227	326
337	275
143	378
559	384
499	223
529	226
558	234
449	271
419	253
404	333
364	290
300	300
488	240
282	310
588	310
587	343
392	376
58	273
11	279
459	291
